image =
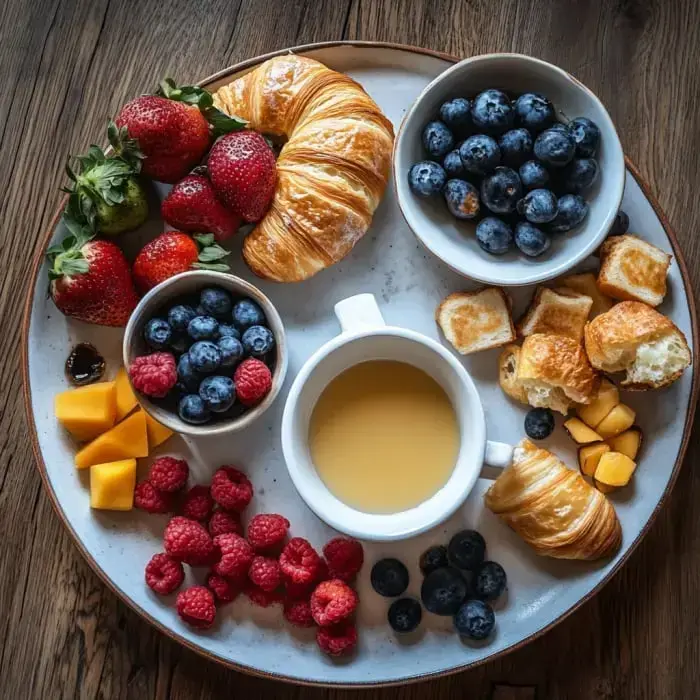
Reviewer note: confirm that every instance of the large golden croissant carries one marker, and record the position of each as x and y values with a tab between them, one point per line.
331	172
553	508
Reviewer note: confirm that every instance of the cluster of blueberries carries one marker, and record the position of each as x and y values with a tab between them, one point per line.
210	336
510	165
457	582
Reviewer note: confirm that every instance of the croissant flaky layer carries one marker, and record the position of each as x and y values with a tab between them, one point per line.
331	173
553	508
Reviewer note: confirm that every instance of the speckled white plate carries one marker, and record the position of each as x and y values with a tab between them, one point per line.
408	284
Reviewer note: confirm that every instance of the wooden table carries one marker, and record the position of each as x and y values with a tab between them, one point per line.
67	65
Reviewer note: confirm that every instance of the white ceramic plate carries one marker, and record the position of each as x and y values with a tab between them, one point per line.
408	283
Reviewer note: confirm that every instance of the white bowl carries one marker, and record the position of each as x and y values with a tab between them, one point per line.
453	241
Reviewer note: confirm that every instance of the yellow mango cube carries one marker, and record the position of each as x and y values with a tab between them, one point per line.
112	485
87	411
126	399
126	439
157	433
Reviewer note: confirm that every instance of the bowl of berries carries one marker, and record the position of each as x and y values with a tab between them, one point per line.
508	169
205	353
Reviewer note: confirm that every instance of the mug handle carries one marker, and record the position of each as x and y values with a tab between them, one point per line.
498	454
359	313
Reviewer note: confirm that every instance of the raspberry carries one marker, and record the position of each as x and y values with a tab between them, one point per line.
231	489
153	375
337	639
222	522
168	474
300	562
263	599
298	612
188	541
267	530
164	574
236	555
332	602
224	589
196	607
198	503
345	558
253	381
148	498
265	573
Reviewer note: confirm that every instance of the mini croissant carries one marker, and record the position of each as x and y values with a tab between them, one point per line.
553	508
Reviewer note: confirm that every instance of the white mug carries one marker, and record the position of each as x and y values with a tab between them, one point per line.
365	336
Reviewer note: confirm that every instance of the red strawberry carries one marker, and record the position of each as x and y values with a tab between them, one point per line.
242	171
91	280
192	206
174	252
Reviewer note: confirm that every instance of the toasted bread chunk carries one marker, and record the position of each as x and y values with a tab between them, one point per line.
633	270
586	283
475	321
556	312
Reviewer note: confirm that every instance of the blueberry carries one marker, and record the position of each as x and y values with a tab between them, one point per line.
480	154
157	333
533	111
621	224
188	379
554	147
179	316
580	174
433	558
530	240
462	199
452	164
490	581
405	615
226	330
389	577
180	343
538	206
218	393
456	114
516	147
539	423
426	179
204	356
232	351
203	328
501	191
474	620
443	591
492	111
494	235
466	549
558	126
247	313
193	410
586	136
215	301
438	140
572	211
258	341
533	175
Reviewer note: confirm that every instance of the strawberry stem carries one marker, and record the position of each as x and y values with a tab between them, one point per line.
211	254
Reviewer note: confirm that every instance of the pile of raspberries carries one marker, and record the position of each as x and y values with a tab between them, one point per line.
263	564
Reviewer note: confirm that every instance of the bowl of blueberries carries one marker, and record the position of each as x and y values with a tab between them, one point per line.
228	346
508	169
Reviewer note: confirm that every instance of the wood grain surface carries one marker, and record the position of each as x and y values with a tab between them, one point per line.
68	64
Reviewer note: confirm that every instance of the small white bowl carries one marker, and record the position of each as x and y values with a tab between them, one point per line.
453	241
185	284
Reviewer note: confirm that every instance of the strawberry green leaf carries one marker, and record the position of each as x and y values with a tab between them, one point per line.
204	239
214	267
212	253
222	123
126	148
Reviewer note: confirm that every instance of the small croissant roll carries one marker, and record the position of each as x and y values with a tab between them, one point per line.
553	508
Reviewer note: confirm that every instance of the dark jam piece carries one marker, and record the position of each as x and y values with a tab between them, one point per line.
85	365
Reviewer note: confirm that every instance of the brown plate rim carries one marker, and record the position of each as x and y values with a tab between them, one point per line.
41	466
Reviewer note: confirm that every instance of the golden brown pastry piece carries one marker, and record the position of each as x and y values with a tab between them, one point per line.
331	173
553	508
637	339
557	312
